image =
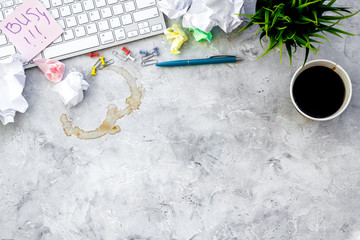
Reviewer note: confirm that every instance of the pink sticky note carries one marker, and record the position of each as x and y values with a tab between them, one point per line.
31	28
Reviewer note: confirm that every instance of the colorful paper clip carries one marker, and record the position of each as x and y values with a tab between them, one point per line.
148	59
122	57
149	62
119	56
107	63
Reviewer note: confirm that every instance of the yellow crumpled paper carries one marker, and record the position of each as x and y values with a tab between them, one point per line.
178	36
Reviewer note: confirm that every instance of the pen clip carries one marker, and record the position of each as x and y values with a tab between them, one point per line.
222	56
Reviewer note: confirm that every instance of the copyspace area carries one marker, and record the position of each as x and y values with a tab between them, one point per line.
214	152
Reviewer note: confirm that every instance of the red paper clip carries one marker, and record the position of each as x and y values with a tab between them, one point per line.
126	51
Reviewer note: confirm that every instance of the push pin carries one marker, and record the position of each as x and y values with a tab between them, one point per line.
144	52
131	58
93	73
102	59
126	51
93	54
156	51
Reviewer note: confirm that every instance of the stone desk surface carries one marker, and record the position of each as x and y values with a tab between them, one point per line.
213	152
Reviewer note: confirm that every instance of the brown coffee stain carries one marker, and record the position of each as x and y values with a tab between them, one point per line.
113	114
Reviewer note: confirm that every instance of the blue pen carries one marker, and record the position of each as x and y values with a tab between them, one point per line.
190	62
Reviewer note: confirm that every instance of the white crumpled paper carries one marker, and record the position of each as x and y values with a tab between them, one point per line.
12	82
204	14
71	89
175	8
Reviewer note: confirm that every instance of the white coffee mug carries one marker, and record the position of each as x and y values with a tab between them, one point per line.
342	74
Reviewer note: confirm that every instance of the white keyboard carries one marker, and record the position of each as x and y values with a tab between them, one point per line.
91	25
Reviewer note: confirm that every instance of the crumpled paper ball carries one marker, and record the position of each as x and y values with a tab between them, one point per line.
53	69
12	82
178	36
71	88
174	8
204	14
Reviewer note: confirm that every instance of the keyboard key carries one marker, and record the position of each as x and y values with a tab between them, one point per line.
126	19
3	40
6	51
91	28
65	11
112	1
70	22
68	1
56	3
133	34
106	12
120	34
118	9
62	23
8	11
115	22
146	14
83	18
45	3
145	3
88	5
68	34
8	3
59	39
103	25
106	37
144	30
55	13
77	8
100	3
157	27
143	25
80	31
68	47
129	6
94	15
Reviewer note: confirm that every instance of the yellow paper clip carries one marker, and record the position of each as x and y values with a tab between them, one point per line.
102	59
93	71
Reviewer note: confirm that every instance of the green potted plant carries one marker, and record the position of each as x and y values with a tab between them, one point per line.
297	23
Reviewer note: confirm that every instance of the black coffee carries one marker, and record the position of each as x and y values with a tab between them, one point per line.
319	92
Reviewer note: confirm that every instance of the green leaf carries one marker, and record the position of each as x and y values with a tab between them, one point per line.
315	16
320	36
280	46
246	26
309	3
288	48
306	55
277	14
336	32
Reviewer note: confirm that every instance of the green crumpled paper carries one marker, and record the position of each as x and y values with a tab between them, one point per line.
201	36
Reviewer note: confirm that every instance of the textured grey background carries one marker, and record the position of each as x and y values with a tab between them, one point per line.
215	152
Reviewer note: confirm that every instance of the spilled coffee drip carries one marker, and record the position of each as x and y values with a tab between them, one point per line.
109	126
